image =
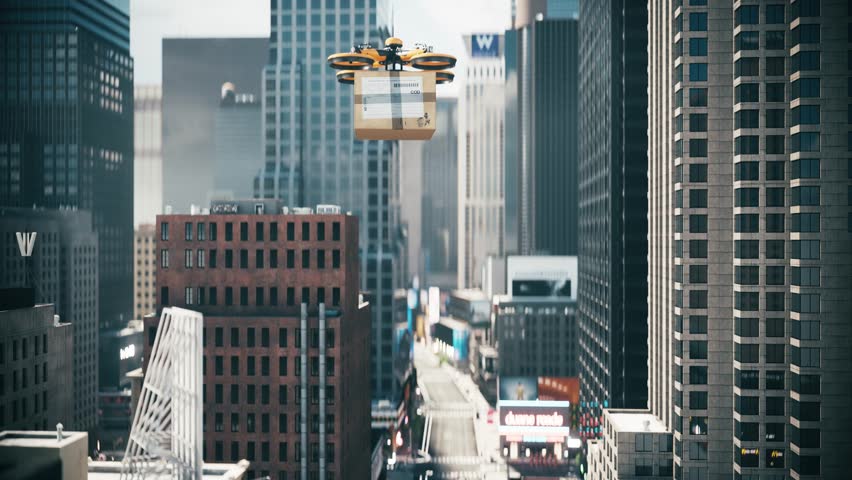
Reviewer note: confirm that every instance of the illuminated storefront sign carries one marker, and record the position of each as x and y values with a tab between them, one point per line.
127	352
534	418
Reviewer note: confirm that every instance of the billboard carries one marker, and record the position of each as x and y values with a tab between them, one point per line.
518	388
539	414
563	389
485	45
542	276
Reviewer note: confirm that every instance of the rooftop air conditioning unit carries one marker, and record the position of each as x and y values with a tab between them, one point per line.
302	210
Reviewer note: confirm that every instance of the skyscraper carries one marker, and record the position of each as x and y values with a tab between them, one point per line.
544	108
194	70
613	203
750	178
237	155
148	154
480	156
439	208
310	154
63	270
66	125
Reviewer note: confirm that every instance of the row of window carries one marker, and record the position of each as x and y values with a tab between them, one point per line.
20	348
202	258
251	368
251	425
251	454
20	379
234	339
265	399
21	407
262	296
750	379
209	231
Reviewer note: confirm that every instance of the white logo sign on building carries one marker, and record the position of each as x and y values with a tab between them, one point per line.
26	242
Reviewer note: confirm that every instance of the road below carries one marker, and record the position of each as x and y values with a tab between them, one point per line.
452	441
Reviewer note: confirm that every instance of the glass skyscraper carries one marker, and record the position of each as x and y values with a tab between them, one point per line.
310	154
613	203
66	139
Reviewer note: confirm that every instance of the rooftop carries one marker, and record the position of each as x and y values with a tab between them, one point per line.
38	439
626	420
211	471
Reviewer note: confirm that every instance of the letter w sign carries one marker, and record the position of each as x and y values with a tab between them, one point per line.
26	242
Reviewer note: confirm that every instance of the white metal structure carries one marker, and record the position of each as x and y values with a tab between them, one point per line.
165	439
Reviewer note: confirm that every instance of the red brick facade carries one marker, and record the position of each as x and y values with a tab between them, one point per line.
248	275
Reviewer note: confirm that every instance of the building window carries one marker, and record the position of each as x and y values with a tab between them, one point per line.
306	231
201	257
164	258
187	258
243	296
291	258
164	295
258	231
229	231
291	231
164	231
229	258
243	258
187	295
273	259
243	231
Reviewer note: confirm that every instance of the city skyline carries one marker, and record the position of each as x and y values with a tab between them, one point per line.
621	247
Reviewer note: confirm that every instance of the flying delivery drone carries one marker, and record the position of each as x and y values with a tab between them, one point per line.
392	103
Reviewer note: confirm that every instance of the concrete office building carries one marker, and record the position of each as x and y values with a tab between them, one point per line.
311	156
749	157
148	154
145	271
543	105
63	270
535	326
36	378
644	447
536	336
287	341
194	70
66	126
613	204
237	136
480	156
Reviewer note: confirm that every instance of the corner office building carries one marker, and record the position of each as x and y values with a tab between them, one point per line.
66	125
63	270
613	203
750	258
286	340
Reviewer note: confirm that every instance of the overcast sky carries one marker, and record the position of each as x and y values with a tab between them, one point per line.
436	22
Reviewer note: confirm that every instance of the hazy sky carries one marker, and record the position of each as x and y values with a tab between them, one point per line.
436	22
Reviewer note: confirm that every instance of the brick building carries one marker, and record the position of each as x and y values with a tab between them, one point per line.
286	338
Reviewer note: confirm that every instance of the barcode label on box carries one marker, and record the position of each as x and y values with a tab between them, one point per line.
385	97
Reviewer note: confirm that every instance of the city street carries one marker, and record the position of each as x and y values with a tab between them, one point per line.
450	420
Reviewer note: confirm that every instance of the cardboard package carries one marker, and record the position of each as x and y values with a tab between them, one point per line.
394	105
